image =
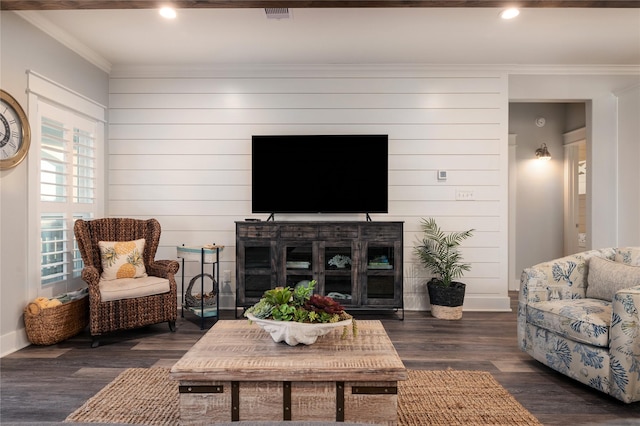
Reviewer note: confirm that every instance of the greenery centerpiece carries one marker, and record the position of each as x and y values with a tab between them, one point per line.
439	253
301	306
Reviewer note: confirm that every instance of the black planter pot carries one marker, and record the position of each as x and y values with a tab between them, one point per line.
446	302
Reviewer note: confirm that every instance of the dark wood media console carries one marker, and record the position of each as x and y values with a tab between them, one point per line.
359	264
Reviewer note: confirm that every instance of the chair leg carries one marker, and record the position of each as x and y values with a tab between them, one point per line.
172	325
95	341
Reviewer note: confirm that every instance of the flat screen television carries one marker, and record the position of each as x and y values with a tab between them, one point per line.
319	174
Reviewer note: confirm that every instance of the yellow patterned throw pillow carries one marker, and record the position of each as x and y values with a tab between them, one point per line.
122	259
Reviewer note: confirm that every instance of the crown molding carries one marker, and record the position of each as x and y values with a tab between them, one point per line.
586	69
354	70
37	20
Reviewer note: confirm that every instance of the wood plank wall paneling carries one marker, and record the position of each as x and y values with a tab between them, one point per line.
180	150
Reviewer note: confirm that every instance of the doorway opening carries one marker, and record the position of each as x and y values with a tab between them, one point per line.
548	200
575	186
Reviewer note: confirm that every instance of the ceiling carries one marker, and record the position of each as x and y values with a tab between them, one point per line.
558	36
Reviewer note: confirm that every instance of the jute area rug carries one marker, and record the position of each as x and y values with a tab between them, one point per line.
148	396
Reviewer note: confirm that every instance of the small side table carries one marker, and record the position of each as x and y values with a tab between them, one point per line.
202	305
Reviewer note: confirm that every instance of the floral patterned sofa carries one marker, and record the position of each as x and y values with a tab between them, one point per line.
580	315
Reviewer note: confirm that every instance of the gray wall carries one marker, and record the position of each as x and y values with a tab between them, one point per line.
22	48
540	185
575	116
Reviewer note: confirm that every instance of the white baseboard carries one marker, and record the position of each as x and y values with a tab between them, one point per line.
472	303
13	341
514	284
478	303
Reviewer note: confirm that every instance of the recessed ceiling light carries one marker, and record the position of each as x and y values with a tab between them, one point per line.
168	12
510	13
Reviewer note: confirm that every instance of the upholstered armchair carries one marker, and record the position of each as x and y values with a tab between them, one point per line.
128	288
580	315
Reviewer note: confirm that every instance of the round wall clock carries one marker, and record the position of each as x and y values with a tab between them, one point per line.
15	133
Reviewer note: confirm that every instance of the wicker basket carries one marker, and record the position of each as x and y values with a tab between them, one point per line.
53	325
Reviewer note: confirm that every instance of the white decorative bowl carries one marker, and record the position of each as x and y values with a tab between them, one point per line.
293	333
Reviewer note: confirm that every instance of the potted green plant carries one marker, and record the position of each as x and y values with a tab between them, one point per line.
439	252
299	316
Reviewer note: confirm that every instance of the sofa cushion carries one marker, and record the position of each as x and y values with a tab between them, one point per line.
628	255
122	259
568	272
130	288
605	278
583	320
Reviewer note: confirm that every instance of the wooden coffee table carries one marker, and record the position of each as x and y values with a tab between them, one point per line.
236	372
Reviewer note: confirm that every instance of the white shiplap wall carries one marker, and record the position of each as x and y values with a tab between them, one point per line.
180	150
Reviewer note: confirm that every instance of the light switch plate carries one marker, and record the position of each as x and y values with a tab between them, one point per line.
442	175
464	195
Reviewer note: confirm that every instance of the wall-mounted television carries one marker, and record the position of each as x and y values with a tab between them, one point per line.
319	174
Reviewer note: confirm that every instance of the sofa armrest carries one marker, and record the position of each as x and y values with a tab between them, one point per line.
534	286
91	276
624	344
163	268
563	278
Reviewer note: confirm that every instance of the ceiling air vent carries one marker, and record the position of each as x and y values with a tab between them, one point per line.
277	12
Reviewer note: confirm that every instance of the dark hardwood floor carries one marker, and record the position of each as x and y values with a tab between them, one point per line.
45	384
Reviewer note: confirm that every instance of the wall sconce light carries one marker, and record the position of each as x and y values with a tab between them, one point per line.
543	153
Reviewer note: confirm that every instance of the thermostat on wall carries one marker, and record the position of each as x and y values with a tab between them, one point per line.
442	175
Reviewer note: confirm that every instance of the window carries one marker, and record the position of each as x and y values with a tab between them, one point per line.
67	188
66	181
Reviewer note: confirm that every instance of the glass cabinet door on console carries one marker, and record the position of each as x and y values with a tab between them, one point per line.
381	276
257	272
298	264
339	264
256	261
